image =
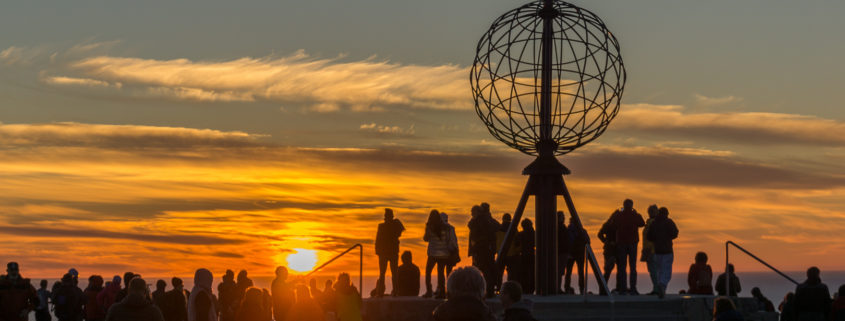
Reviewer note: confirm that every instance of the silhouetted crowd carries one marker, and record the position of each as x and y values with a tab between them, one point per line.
237	299
234	300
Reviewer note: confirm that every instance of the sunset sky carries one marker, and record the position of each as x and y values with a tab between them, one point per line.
164	136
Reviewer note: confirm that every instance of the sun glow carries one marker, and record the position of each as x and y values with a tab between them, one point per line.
302	260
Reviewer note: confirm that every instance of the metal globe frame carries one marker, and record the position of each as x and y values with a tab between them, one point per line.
548	78
587	77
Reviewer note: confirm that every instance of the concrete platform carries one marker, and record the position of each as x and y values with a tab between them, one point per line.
570	307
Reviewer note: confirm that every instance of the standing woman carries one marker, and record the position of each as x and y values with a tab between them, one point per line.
202	304
438	253
454	252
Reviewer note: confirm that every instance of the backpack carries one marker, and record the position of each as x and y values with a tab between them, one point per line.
65	302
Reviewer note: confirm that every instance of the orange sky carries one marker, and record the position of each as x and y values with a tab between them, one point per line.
161	211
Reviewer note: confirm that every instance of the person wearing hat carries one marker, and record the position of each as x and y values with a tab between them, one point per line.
17	295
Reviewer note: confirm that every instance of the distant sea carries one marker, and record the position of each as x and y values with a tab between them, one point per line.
773	286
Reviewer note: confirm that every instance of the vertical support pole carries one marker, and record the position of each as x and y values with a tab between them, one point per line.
727	270
546	260
548	13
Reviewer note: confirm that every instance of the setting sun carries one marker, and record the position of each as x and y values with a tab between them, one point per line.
302	260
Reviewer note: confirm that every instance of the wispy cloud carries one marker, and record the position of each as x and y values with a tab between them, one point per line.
736	127
374	128
322	84
715	101
118	136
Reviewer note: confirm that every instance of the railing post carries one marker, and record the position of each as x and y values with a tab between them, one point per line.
727	270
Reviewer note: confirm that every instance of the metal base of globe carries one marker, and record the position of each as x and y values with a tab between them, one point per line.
545	182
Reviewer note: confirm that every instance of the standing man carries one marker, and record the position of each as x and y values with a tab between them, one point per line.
387	249
628	222
17	295
661	233
482	239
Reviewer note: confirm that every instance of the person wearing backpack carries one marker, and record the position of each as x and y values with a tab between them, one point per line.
68	300
700	277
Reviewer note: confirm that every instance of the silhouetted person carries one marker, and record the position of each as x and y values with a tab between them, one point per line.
252	306
387	249
482	241
127	277
724	310
525	242
700	276
201	305
647	254
244	283
93	310
283	295
763	303
787	307
516	309
438	252
68	300
347	300
454	250
465	289
42	310
312	286
158	294
407	277
837	309
327	300
135	307
627	222
564	247
578	239
267	304
511	259
107	297
17	295
227	292
721	287
305	309
607	235
812	298
176	302
663	230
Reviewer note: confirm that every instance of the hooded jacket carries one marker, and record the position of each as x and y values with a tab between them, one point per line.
202	303
93	309
134	307
661	232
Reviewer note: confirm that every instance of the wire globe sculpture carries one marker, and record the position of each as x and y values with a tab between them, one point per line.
588	77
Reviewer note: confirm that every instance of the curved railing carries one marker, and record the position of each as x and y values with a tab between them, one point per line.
727	263
360	266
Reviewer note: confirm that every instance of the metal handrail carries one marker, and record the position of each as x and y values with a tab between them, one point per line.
727	264
360	266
